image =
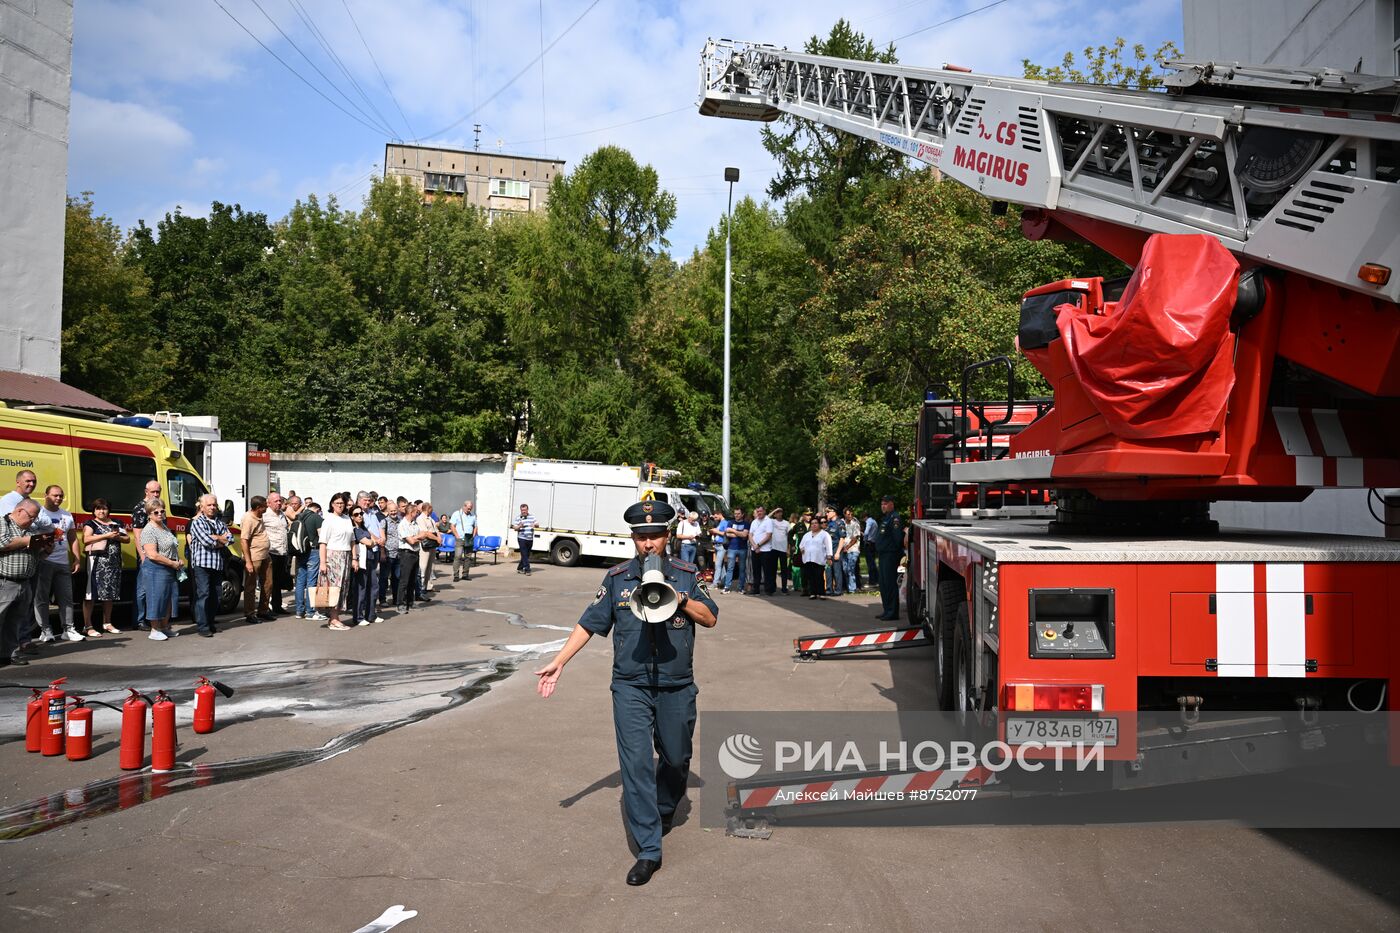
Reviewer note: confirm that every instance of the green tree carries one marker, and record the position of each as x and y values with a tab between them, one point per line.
579	277
210	286
826	176
931	288
107	338
1107	64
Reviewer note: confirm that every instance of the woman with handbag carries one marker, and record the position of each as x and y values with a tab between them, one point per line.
161	566
337	537
102	542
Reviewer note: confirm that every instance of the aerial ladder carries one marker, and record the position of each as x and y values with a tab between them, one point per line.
1259	209
1295	173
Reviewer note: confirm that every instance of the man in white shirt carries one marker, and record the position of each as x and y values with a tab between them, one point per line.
780	547
765	560
816	556
464	529
54	580
277	527
687	533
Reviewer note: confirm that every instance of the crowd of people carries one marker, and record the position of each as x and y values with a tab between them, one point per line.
349	562
344	565
818	555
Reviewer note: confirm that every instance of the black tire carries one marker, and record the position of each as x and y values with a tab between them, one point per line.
230	589
948	597
962	660
563	552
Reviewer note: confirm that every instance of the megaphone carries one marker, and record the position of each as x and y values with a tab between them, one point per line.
654	600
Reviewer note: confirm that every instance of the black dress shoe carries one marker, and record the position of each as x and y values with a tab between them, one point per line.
642	871
206	634
266	616
251	620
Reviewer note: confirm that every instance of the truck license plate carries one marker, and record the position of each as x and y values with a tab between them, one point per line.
1057	730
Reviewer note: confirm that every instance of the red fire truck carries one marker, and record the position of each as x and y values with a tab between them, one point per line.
1062	558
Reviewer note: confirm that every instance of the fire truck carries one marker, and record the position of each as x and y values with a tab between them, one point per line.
1062	558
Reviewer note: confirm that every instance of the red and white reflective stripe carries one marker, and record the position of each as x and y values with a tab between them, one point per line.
1317	440
1234	620
852	789
858	641
1283	628
1287	635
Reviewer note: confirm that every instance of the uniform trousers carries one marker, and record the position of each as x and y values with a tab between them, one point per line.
648	718
889	583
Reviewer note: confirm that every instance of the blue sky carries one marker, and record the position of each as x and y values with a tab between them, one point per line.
175	105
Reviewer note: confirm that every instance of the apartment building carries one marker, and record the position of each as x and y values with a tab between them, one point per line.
498	183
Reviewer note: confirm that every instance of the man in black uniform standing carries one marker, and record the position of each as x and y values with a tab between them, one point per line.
889	543
653	681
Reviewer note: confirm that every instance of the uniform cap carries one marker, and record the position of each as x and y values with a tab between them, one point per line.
651	515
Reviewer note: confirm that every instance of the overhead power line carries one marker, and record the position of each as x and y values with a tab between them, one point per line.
516	77
951	19
383	129
310	22
601	129
299	76
392	97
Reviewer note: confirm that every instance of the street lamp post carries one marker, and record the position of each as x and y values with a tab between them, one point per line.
731	175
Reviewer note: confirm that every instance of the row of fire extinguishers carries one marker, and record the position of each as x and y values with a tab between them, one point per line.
57	724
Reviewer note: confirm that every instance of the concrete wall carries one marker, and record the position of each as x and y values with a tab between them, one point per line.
36	74
1294	33
409	475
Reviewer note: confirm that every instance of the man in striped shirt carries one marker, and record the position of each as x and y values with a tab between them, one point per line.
525	537
209	539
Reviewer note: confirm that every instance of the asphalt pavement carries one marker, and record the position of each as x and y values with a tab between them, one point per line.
411	763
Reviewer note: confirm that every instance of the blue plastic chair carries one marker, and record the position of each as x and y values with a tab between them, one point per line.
448	547
488	543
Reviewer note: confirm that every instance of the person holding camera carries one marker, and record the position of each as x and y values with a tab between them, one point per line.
653	680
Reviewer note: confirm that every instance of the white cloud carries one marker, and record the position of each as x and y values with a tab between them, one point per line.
114	138
625	60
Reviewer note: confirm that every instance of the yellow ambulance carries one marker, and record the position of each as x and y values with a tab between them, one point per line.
102	459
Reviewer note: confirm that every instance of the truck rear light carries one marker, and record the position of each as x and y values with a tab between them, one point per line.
1373	273
1025	698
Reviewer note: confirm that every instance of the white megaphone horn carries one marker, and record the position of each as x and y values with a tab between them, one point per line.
654	600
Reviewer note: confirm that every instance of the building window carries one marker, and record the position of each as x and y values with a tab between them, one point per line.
510	189
435	181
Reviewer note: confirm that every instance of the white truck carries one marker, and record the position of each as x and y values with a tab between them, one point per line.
578	505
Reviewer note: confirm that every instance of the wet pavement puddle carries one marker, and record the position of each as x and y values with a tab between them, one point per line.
326	689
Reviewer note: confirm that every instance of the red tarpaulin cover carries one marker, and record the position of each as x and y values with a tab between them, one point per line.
1158	362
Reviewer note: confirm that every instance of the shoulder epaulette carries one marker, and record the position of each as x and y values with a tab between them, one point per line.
620	568
685	565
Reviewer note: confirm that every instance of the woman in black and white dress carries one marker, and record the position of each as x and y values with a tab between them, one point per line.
102	542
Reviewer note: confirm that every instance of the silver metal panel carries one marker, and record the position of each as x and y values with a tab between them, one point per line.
987	471
1328	225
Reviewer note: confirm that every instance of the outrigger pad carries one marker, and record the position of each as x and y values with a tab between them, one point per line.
1158	363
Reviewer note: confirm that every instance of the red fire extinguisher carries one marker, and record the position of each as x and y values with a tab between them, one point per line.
78	730
204	703
34	718
162	733
133	752
55	703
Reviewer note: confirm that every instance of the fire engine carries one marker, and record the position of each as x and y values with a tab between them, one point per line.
1253	354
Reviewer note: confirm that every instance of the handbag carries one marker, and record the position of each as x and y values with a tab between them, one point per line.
326	597
96	547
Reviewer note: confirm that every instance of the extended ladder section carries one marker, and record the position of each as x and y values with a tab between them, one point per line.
1299	170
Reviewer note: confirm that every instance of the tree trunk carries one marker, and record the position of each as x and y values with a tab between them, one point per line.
823	471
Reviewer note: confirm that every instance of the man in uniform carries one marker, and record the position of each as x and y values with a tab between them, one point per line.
889	543
653	682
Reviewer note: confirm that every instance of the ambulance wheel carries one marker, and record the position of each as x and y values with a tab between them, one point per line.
563	553
230	590
939	628
962	655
